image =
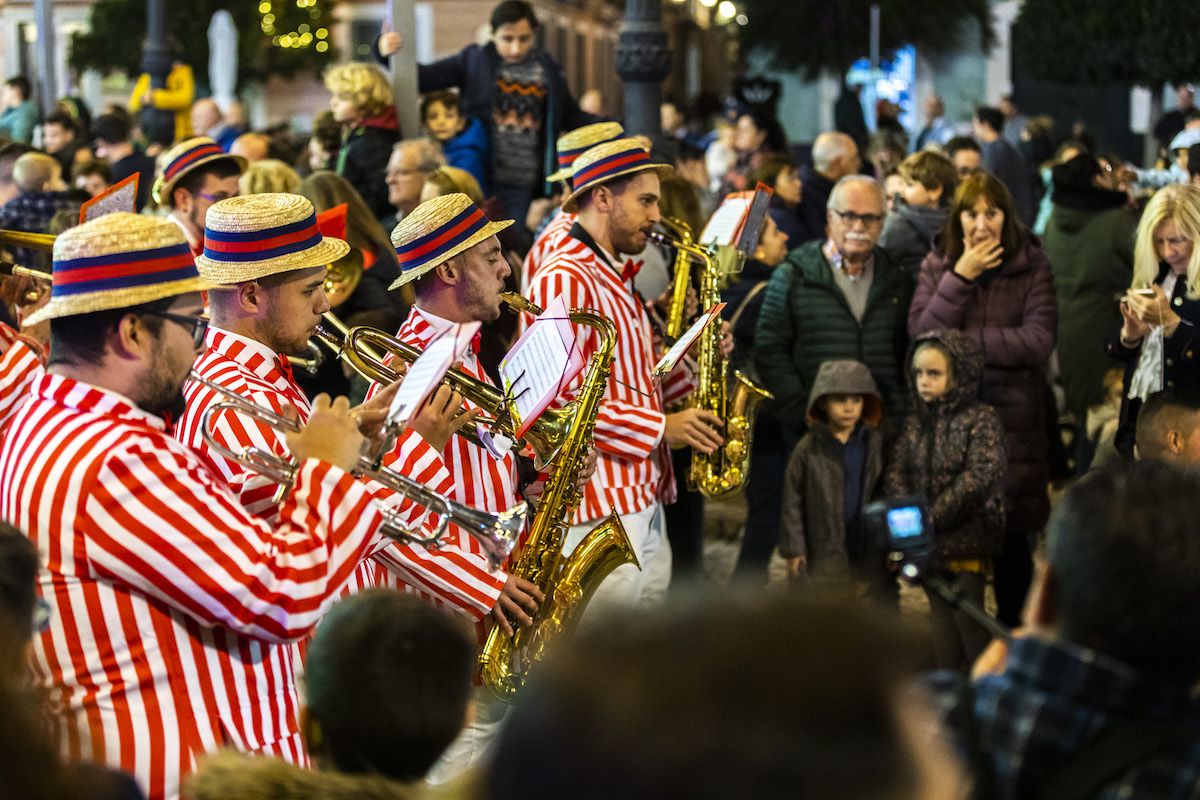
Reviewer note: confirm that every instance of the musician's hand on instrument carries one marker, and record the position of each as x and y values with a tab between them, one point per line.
726	339
587	469
373	413
440	416
518	600
695	428
331	434
390	42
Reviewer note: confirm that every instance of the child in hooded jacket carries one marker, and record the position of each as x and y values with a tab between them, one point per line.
951	451
833	471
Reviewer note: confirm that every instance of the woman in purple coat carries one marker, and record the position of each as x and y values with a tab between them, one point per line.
989	277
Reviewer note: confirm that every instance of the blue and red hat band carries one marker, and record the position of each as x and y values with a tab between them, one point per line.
191	157
567	157
260	245
446	237
123	270
609	165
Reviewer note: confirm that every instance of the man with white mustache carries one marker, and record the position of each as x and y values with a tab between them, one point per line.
841	298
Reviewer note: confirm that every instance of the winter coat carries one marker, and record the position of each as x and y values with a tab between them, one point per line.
1089	241
909	232
805	321
472	71
363	159
952	452
469	150
814	197
1181	360
753	278
233	776
176	97
813	518
1012	314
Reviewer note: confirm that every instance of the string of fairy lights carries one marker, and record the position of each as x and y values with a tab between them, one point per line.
304	35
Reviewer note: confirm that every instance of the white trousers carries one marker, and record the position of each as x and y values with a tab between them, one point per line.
627	585
474	742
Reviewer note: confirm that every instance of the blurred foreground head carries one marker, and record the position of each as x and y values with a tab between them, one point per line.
769	697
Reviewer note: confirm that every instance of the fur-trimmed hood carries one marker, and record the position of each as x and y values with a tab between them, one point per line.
234	776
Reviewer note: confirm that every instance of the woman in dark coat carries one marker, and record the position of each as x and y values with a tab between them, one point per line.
990	278
1158	341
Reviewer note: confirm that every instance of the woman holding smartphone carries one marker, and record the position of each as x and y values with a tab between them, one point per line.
1158	340
987	276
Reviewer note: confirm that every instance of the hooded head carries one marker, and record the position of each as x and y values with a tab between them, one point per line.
966	367
844	377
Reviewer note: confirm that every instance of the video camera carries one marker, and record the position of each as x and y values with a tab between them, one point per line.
904	524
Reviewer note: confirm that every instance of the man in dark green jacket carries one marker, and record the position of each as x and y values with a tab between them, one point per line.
839	298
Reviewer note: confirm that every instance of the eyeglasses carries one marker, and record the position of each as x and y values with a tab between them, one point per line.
198	325
849	217
215	198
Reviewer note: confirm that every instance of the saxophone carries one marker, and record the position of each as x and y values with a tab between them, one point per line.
569	583
723	472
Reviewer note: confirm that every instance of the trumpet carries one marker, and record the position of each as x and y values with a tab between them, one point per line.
364	349
496	533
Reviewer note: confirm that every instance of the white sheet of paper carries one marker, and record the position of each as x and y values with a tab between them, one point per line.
542	361
427	371
723	226
684	342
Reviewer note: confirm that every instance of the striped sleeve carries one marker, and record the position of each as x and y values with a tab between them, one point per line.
159	522
458	578
20	364
624	428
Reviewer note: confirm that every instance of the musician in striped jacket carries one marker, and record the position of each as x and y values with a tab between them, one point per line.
269	258
173	610
616	193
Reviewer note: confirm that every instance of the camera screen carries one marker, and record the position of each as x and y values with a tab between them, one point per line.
905	522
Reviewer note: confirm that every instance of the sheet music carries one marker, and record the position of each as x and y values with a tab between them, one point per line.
726	222
540	364
685	342
427	371
121	196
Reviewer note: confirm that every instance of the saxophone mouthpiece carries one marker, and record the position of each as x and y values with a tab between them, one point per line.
658	238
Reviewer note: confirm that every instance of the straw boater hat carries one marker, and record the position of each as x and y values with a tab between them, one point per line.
116	261
607	161
436	231
251	237
185	157
572	144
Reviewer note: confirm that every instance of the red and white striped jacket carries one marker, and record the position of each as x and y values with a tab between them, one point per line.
173	610
545	244
254	371
20	365
634	466
477	479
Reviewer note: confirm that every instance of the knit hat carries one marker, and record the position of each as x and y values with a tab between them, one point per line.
116	261
436	231
185	157
608	161
572	144
256	235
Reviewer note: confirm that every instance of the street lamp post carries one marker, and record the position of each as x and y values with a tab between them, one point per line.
156	61
44	18
643	61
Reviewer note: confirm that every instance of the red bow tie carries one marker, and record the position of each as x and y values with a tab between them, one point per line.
285	366
630	270
475	343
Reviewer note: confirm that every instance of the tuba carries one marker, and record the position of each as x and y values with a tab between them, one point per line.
365	349
497	533
568	583
722	473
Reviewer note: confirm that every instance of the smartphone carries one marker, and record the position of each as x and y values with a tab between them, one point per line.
1144	292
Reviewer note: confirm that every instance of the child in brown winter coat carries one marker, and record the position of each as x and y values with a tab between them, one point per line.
951	450
833	471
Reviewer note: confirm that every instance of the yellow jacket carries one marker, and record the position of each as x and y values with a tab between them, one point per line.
177	97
